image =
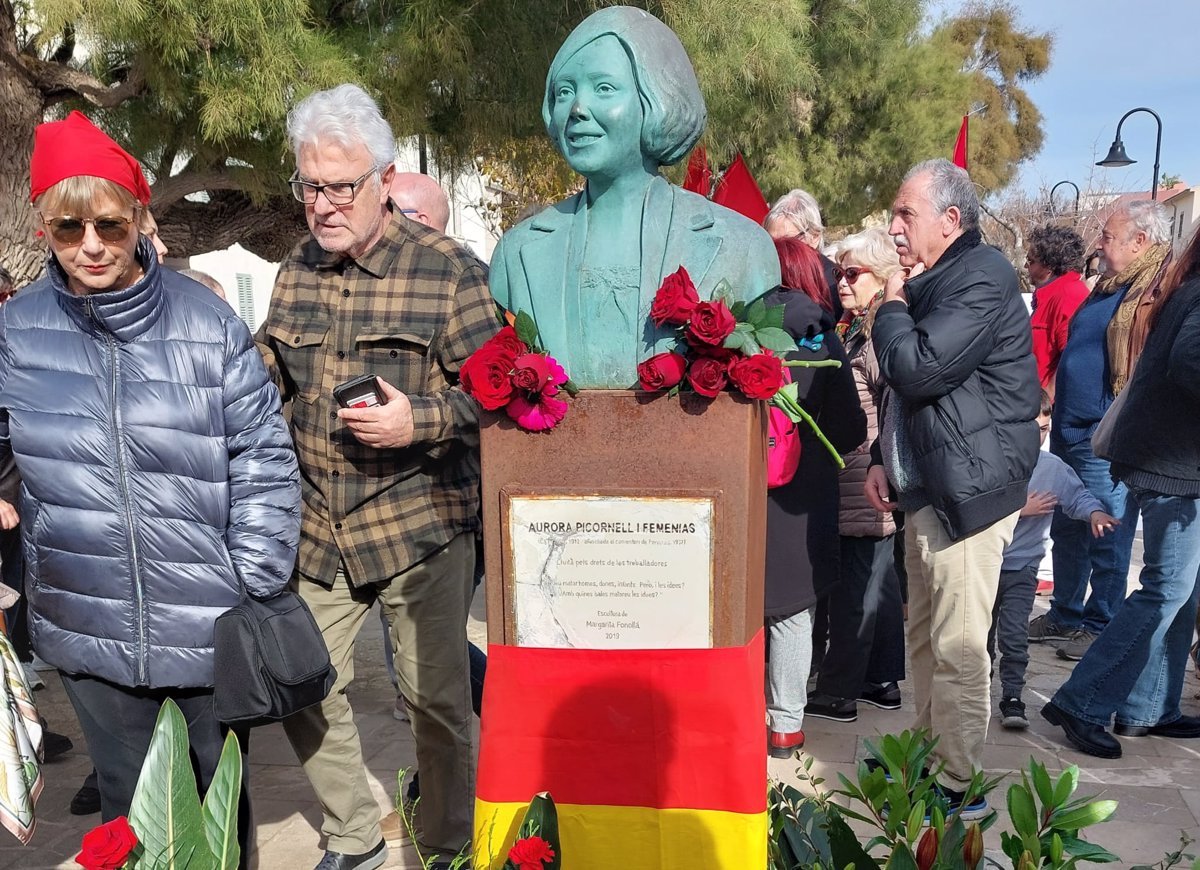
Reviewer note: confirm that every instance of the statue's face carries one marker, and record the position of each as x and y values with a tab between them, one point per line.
597	114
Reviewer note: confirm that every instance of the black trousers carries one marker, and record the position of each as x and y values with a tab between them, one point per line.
118	722
866	624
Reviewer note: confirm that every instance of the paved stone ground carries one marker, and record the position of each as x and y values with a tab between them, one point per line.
1157	781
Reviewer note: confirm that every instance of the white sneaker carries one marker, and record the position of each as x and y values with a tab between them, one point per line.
400	711
33	678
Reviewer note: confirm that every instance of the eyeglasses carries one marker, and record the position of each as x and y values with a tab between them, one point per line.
850	273
337	192
67	230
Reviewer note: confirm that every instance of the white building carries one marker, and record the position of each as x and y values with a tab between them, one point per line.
248	278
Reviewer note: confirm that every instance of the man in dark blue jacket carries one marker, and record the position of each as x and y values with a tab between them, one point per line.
958	441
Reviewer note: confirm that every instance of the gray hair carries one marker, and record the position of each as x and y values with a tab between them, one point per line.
346	115
949	185
872	248
1149	217
800	207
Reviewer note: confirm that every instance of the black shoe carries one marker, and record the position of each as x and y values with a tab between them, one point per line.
1012	714
976	809
885	696
1084	736
365	861
54	745
835	709
86	801
1184	727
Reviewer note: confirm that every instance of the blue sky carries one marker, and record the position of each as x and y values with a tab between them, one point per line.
1105	63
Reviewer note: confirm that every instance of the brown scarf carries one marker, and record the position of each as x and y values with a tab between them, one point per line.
1130	324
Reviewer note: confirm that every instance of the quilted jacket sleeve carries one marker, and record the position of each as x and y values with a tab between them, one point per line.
264	481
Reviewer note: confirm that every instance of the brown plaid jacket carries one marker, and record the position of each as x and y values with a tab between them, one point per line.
410	310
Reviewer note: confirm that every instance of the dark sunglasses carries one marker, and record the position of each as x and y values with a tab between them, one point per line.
67	230
850	273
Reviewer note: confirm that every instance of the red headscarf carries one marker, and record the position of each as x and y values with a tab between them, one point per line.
76	146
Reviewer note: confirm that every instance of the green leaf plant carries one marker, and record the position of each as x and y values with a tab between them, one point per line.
177	832
895	793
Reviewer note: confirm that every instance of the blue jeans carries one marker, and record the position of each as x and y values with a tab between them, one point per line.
1078	556
1135	668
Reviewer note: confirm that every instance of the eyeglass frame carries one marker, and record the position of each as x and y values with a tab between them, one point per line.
319	189
839	273
129	222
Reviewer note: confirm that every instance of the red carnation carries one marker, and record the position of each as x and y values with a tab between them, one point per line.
108	846
530	853
662	371
675	299
710	324
486	375
759	376
707	375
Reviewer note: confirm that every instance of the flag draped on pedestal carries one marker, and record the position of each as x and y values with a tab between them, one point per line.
656	759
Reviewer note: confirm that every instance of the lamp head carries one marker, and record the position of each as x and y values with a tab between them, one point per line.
1116	156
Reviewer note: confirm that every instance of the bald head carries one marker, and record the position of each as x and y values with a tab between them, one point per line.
422	199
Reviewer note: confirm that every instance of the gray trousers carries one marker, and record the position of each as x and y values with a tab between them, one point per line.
787	669
1010	627
426	608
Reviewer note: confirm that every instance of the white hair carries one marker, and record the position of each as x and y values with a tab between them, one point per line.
346	115
800	207
872	248
949	185
1149	217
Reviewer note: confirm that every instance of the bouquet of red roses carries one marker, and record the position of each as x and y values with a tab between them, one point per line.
513	372
724	343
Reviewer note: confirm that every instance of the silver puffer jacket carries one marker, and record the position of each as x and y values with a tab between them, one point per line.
157	476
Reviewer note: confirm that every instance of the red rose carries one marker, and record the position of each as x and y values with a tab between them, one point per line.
759	376
506	341
530	853
724	354
531	372
107	847
662	371
486	375
707	375
675	299
710	324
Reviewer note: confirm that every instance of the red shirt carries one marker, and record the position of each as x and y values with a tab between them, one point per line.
1053	306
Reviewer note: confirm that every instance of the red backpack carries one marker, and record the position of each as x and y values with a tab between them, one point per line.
783	444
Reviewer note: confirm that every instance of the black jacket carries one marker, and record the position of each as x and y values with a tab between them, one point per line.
1156	441
960	355
803	547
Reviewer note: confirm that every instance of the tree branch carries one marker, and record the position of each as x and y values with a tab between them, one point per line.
169	190
59	82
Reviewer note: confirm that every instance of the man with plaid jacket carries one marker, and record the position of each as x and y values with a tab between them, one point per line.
391	493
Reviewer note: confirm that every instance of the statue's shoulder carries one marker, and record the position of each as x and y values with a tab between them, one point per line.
548	220
759	269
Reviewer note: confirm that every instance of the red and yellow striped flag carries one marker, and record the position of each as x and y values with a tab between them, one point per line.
656	759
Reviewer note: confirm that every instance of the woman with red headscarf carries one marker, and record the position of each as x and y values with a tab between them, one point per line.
802	515
158	480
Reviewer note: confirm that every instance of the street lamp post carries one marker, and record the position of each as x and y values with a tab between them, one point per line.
1118	157
1050	199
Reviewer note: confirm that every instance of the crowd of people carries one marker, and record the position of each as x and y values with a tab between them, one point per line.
184	462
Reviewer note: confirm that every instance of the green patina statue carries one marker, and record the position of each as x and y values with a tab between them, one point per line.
621	101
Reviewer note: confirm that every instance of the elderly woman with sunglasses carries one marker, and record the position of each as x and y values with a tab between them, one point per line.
865	659
158	480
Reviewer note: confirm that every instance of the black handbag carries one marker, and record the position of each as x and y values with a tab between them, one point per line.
270	661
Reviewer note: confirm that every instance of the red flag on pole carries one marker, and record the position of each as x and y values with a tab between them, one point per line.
699	176
738	190
960	146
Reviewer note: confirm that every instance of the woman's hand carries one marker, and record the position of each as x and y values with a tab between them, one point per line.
9	518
